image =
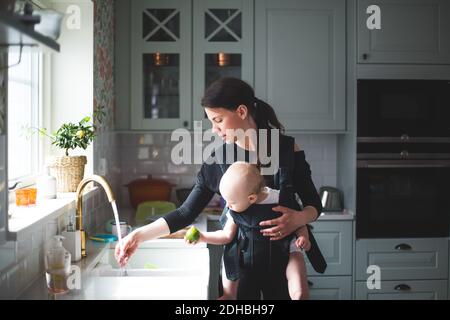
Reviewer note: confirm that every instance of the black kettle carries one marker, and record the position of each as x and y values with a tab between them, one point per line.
331	199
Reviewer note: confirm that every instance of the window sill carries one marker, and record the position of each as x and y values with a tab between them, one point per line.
24	220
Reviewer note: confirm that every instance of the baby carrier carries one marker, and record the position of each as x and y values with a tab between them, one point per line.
260	262
251	251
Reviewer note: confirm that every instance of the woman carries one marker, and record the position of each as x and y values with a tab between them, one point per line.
230	104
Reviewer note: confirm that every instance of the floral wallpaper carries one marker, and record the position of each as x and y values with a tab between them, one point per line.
104	59
3	62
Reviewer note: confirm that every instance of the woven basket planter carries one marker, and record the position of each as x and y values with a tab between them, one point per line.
68	171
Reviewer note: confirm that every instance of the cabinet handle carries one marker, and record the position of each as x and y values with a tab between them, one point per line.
310	284
402	287
403	247
365	56
185	123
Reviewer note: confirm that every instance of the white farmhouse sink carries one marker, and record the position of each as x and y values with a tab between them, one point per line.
155	288
160	260
152	273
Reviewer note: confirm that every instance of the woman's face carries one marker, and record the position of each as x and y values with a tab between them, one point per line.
223	119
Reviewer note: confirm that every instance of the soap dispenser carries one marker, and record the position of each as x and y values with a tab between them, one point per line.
57	266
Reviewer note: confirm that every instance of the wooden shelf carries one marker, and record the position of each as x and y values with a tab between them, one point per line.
13	32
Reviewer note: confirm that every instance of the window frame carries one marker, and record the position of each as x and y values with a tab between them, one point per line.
38	69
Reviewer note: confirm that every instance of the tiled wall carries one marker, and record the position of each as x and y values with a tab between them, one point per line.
143	154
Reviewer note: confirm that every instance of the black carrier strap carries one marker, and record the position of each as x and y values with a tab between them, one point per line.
314	254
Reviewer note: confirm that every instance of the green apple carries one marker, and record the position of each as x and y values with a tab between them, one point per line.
192	235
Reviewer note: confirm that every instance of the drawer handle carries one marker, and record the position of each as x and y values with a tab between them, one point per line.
403	247
402	287
310	284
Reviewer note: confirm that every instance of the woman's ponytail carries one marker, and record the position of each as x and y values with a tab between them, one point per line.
265	116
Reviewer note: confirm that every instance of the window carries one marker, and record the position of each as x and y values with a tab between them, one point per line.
24	96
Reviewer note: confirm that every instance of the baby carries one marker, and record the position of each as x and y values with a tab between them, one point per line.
241	186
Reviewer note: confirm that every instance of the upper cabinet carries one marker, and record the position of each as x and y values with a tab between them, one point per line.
300	62
177	49
293	52
223	45
412	32
161	42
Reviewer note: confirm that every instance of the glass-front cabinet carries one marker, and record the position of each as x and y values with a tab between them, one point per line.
223	46
161	64
178	48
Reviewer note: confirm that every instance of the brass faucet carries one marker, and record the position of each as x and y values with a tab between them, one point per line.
79	196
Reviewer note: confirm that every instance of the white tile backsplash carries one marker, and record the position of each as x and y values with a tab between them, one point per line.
320	153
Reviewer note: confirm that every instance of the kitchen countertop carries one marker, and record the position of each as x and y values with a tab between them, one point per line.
325	216
95	250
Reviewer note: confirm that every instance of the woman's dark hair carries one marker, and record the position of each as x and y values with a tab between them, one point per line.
230	93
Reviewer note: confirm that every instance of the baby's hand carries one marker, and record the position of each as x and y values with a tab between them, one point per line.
200	239
303	243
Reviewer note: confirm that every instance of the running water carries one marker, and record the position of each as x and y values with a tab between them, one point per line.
123	272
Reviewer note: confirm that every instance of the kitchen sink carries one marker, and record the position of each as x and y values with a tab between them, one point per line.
157	261
151	273
148	287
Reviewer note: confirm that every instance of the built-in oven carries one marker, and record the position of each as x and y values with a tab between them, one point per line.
403	109
403	198
403	159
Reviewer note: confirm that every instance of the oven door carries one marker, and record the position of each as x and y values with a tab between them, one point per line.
403	198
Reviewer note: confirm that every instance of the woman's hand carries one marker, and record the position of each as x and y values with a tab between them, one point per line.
289	221
124	251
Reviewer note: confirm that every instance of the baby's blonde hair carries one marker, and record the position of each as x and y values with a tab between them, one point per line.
249	174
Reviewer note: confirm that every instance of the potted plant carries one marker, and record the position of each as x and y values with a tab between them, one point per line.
69	170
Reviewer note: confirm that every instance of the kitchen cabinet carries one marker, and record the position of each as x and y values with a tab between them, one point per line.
177	49
404	290
330	288
412	32
215	258
223	46
300	62
403	259
335	242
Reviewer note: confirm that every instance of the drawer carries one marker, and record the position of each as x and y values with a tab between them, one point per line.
404	290
335	241
403	258
330	288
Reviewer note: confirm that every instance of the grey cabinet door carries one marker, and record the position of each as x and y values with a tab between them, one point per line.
330	288
403	290
300	62
161	61
403	258
335	242
215	258
220	27
412	31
